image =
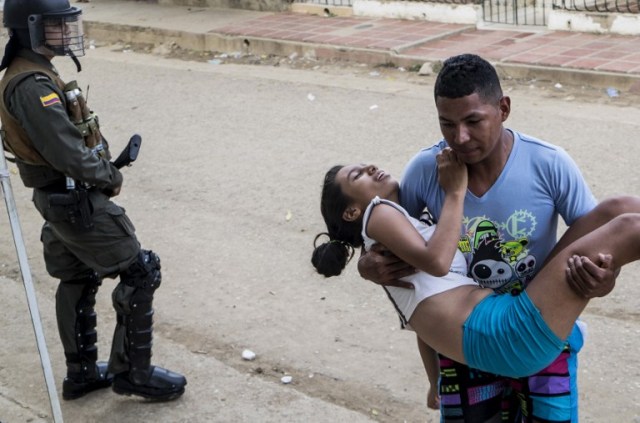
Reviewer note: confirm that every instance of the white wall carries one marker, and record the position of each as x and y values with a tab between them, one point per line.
601	23
437	12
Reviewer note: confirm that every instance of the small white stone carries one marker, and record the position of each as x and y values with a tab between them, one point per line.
248	355
286	379
426	69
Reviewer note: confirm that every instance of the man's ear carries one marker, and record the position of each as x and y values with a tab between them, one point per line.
505	107
351	214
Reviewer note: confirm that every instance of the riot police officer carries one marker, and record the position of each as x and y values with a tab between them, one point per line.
59	151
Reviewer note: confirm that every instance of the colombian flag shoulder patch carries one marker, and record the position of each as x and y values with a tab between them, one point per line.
50	100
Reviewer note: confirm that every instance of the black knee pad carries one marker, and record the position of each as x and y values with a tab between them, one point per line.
144	272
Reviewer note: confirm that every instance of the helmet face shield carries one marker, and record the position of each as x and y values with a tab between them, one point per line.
57	34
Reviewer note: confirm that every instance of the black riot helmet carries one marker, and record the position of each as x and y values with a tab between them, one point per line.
48	27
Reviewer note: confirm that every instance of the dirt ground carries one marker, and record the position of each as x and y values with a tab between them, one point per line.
226	191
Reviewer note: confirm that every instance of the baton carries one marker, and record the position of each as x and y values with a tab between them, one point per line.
130	152
28	287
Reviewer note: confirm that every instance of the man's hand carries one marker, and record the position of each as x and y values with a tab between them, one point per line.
591	280
113	191
380	266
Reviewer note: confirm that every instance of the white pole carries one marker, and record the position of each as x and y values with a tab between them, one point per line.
28	287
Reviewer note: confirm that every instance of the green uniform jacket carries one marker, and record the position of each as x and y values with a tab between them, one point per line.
39	107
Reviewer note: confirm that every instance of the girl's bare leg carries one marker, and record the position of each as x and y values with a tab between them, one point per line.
603	213
559	304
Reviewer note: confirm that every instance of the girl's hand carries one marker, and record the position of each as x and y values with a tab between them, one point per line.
452	172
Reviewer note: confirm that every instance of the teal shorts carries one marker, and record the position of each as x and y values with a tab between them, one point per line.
507	335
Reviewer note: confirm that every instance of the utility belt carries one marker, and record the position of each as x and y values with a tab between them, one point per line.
75	203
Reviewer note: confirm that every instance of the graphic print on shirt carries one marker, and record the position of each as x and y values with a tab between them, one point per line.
497	253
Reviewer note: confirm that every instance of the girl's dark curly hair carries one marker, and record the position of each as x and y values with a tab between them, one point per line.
331	257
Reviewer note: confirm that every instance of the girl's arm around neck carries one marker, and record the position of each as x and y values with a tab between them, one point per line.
390	227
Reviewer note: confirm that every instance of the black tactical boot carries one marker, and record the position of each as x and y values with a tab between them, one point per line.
77	385
161	385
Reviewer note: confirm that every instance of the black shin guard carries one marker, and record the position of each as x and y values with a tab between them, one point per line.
77	321
143	275
142	378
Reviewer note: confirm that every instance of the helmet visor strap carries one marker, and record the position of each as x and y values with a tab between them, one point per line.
56	35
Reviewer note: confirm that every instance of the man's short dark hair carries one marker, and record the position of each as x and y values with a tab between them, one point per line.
466	74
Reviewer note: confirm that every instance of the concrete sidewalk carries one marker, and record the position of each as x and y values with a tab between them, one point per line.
565	57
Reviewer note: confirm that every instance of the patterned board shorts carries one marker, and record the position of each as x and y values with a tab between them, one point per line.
472	396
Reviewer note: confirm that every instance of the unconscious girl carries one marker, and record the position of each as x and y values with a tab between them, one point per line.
508	335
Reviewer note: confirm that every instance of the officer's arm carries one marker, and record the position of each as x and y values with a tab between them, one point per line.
37	104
